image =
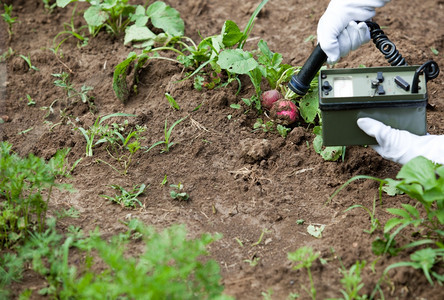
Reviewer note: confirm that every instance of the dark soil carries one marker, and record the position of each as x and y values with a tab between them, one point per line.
240	181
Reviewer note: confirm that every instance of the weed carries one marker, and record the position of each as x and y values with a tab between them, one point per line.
49	6
10	270
170	265
127	198
305	257
177	192
261	237
267	295
71	92
70	30
253	262
283	131
59	164
424	259
27	59
423	181
165	180
352	281
30	100
167	137
120	146
97	129
172	102
72	212
8	18
265	126
24	184
374	222
7	54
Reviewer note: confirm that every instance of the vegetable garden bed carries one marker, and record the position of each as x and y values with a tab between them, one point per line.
159	169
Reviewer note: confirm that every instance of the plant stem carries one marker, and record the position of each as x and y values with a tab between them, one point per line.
312	288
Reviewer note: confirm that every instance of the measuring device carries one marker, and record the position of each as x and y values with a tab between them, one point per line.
396	95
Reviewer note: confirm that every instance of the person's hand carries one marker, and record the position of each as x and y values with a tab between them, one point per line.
401	146
337	34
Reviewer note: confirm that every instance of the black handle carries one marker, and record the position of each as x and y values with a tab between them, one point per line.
300	83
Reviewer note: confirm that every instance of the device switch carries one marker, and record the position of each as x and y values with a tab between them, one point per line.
380	77
402	83
380	90
326	87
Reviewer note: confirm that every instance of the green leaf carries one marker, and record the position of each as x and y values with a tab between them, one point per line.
332	153
309	106
95	16
425	258
166	18
419	170
391	187
434	51
399	212
63	3
268	58
120	85
412	210
237	61
392	223
172	102
256	79
317	144
231	34
315	231
135	33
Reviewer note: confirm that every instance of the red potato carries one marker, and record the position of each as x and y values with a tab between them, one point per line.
285	112
270	97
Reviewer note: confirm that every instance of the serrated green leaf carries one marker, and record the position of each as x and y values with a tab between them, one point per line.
237	61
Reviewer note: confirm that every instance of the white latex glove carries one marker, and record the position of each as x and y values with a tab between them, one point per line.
401	146
337	17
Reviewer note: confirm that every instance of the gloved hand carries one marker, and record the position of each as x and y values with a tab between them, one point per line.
331	36
401	146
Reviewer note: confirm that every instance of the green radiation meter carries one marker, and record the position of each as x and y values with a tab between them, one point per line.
396	96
